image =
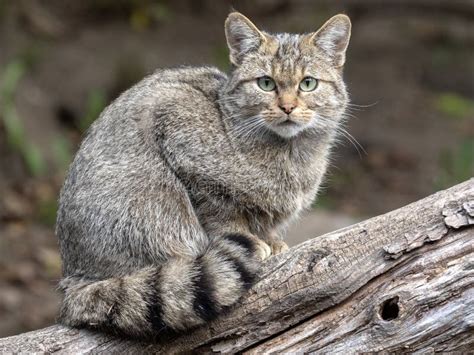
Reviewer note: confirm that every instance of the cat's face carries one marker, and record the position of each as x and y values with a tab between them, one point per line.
286	83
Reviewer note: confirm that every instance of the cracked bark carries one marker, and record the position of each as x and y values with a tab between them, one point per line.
402	281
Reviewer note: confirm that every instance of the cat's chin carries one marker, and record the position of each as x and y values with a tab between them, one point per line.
287	129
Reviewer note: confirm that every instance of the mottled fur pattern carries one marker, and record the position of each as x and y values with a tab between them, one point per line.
189	179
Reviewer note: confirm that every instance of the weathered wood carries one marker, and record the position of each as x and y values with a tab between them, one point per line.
403	281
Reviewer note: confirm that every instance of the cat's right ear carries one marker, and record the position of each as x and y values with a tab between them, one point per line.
242	36
333	38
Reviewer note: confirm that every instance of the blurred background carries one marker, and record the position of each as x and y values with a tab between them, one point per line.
410	71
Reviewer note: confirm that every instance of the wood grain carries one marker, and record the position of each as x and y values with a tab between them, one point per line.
402	281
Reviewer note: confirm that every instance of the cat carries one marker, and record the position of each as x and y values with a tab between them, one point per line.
188	180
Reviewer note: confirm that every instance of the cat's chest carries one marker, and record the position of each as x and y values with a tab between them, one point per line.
278	190
291	186
287	190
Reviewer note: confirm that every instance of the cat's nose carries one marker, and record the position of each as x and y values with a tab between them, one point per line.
287	108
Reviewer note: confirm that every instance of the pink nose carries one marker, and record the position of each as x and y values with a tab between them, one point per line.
287	108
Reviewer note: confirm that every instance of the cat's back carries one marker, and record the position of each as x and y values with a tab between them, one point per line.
171	88
206	80
174	87
163	98
188	92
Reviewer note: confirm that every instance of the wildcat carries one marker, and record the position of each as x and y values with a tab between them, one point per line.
187	181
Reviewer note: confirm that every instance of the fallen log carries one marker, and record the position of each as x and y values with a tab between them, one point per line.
402	281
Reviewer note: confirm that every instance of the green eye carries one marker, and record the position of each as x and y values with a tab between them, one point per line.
266	83
308	84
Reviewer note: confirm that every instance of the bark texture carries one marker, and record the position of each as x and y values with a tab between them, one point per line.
402	281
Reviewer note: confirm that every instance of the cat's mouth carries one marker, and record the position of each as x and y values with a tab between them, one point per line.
288	122
287	127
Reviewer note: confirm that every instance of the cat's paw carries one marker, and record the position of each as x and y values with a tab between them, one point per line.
262	249
278	247
257	247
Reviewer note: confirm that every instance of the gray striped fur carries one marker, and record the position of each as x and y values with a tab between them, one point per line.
188	180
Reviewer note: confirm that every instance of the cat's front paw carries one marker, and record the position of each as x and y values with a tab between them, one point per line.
278	247
258	248
262	249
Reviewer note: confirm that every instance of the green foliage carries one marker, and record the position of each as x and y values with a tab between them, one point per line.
221	57
324	201
140	19
62	150
456	165
47	210
337	180
16	136
13	125
454	105
34	160
96	102
141	14
146	13
15	132
13	73
161	12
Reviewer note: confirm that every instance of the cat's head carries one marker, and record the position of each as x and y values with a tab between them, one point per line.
285	83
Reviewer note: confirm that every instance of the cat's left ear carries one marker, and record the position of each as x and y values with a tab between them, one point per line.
242	36
333	38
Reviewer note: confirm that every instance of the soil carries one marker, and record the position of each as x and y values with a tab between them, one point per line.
410	71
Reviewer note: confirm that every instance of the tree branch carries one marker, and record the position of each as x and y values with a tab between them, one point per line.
402	281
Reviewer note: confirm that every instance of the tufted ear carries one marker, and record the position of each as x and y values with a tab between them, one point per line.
333	38
242	36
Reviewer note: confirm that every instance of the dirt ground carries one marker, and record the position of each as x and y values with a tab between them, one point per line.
410	71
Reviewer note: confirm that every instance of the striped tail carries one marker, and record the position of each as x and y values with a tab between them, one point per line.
178	295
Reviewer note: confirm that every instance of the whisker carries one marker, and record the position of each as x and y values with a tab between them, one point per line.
249	131
349	114
353	141
344	133
245	126
253	133
363	106
227	99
